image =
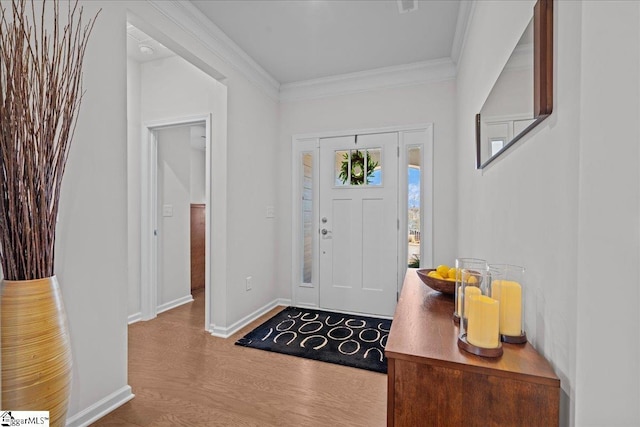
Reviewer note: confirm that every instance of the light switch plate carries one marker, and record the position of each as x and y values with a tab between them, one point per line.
271	212
167	210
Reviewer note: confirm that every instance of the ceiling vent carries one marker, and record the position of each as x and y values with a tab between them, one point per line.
405	6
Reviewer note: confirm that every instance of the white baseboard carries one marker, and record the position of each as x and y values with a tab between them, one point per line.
355	313
222	332
173	304
136	317
311	306
101	408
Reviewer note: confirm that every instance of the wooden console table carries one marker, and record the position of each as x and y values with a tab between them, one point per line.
431	382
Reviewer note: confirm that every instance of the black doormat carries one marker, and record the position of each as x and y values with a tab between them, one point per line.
345	339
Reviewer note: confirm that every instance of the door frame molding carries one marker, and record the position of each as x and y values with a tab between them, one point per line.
149	212
308	294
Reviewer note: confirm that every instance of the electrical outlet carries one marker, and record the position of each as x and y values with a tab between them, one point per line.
248	282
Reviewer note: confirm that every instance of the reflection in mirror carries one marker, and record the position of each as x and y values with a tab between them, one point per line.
522	95
508	109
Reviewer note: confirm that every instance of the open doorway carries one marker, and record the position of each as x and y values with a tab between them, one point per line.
180	214
176	168
163	94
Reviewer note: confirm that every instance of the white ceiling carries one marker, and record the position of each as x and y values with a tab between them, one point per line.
298	40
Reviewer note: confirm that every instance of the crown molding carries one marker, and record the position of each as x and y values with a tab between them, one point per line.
465	12
380	78
191	20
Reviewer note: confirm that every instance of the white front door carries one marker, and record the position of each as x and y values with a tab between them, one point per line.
359	223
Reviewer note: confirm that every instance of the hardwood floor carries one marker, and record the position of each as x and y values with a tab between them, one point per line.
181	375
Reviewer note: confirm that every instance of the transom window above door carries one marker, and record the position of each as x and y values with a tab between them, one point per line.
358	168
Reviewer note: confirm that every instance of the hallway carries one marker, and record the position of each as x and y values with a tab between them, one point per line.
181	375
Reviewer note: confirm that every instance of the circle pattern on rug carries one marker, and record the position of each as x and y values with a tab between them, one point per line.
310	329
348	345
343	333
366	335
281	326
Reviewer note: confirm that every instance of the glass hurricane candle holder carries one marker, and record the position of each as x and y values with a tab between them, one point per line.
471	264
479	315
507	286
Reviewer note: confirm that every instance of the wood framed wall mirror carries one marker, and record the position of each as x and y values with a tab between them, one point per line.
522	96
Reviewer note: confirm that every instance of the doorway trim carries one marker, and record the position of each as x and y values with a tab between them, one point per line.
149	213
308	294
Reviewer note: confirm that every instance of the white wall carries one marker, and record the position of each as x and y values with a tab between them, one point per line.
134	126
543	203
408	105
608	364
253	244
91	246
174	237
198	176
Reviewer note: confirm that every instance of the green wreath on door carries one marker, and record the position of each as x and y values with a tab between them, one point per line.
357	168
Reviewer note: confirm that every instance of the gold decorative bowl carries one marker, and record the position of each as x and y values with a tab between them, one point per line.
445	286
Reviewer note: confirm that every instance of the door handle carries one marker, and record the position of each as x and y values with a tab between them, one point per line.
324	231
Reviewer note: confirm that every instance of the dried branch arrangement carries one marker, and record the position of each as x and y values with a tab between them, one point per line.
41	91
